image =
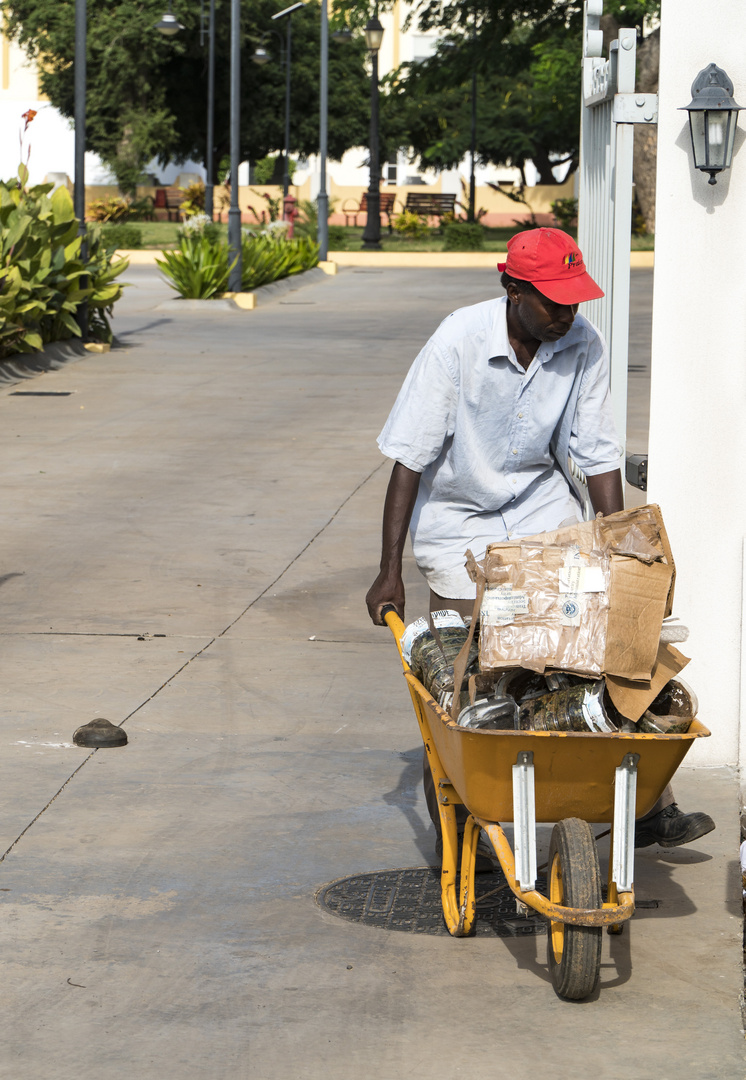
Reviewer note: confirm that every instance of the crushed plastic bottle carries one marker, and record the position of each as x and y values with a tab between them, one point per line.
672	712
433	665
572	708
490	714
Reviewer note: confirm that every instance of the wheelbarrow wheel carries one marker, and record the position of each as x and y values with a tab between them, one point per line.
574	952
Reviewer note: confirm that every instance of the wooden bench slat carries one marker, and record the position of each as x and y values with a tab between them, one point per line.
387	207
430	203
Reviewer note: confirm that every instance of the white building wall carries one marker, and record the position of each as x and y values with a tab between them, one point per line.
698	396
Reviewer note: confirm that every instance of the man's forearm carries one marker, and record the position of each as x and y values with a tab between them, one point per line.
397	514
606	492
388	588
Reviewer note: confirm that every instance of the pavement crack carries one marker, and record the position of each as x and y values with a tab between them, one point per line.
45	808
304	549
199	652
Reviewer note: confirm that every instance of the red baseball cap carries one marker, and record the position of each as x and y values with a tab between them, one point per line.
551	261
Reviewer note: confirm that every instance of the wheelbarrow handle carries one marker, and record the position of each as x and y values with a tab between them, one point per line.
390	616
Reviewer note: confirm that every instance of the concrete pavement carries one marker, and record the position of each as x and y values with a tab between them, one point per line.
191	524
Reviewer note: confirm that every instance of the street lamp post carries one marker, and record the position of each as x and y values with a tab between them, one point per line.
472	174
287	13
372	231
322	199
234	213
80	93
210	155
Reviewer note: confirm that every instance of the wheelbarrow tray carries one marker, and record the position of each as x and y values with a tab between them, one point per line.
574	770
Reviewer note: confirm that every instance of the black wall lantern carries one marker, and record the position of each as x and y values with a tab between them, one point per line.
712	120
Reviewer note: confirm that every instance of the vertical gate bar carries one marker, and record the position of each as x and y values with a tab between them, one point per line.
619	343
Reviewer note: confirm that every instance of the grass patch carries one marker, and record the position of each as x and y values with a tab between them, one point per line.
164	234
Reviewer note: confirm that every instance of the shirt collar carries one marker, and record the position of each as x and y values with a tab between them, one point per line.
499	344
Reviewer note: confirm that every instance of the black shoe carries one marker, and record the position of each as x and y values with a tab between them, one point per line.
670	827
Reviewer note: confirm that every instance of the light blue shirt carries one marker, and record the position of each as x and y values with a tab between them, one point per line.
491	440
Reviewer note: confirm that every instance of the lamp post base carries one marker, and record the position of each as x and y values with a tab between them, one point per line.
372	231
234	249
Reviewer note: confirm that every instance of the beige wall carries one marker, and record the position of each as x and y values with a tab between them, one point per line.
501	211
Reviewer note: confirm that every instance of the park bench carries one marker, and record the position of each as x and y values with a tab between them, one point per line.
430	204
170	200
351	211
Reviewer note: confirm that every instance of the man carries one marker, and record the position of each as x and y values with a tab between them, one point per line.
499	398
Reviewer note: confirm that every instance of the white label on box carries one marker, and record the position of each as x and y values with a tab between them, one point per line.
575	579
571	609
501	603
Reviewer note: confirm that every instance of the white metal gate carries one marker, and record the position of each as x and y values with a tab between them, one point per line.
610	108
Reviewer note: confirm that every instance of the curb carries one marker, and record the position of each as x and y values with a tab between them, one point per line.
247	301
432	260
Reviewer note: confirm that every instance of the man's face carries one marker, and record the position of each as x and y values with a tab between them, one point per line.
539	316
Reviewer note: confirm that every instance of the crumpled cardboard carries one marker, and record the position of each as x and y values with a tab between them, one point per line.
589	598
633	698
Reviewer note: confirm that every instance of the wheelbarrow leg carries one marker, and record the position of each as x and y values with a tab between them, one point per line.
459	913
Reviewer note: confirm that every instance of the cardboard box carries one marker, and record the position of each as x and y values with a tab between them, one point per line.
589	598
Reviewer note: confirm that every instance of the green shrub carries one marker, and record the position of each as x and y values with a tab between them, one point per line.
565	213
463	236
410	225
41	268
200	269
337	238
103	288
112	209
264	259
194	199
115	237
142	209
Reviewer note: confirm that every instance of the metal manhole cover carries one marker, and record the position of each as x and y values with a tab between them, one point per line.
409	900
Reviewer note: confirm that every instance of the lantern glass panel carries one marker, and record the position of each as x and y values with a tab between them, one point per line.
717	130
730	138
697	127
373	37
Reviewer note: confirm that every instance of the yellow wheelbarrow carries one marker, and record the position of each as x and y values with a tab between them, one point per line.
525	777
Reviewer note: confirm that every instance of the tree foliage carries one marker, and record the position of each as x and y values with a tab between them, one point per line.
147	95
526	56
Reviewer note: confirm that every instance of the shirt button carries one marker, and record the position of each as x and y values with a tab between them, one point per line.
514	480
515	451
520	415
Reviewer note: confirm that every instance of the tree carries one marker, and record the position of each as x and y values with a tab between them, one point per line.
532	114
526	54
147	94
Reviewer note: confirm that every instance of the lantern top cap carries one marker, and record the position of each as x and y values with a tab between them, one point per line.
712	89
